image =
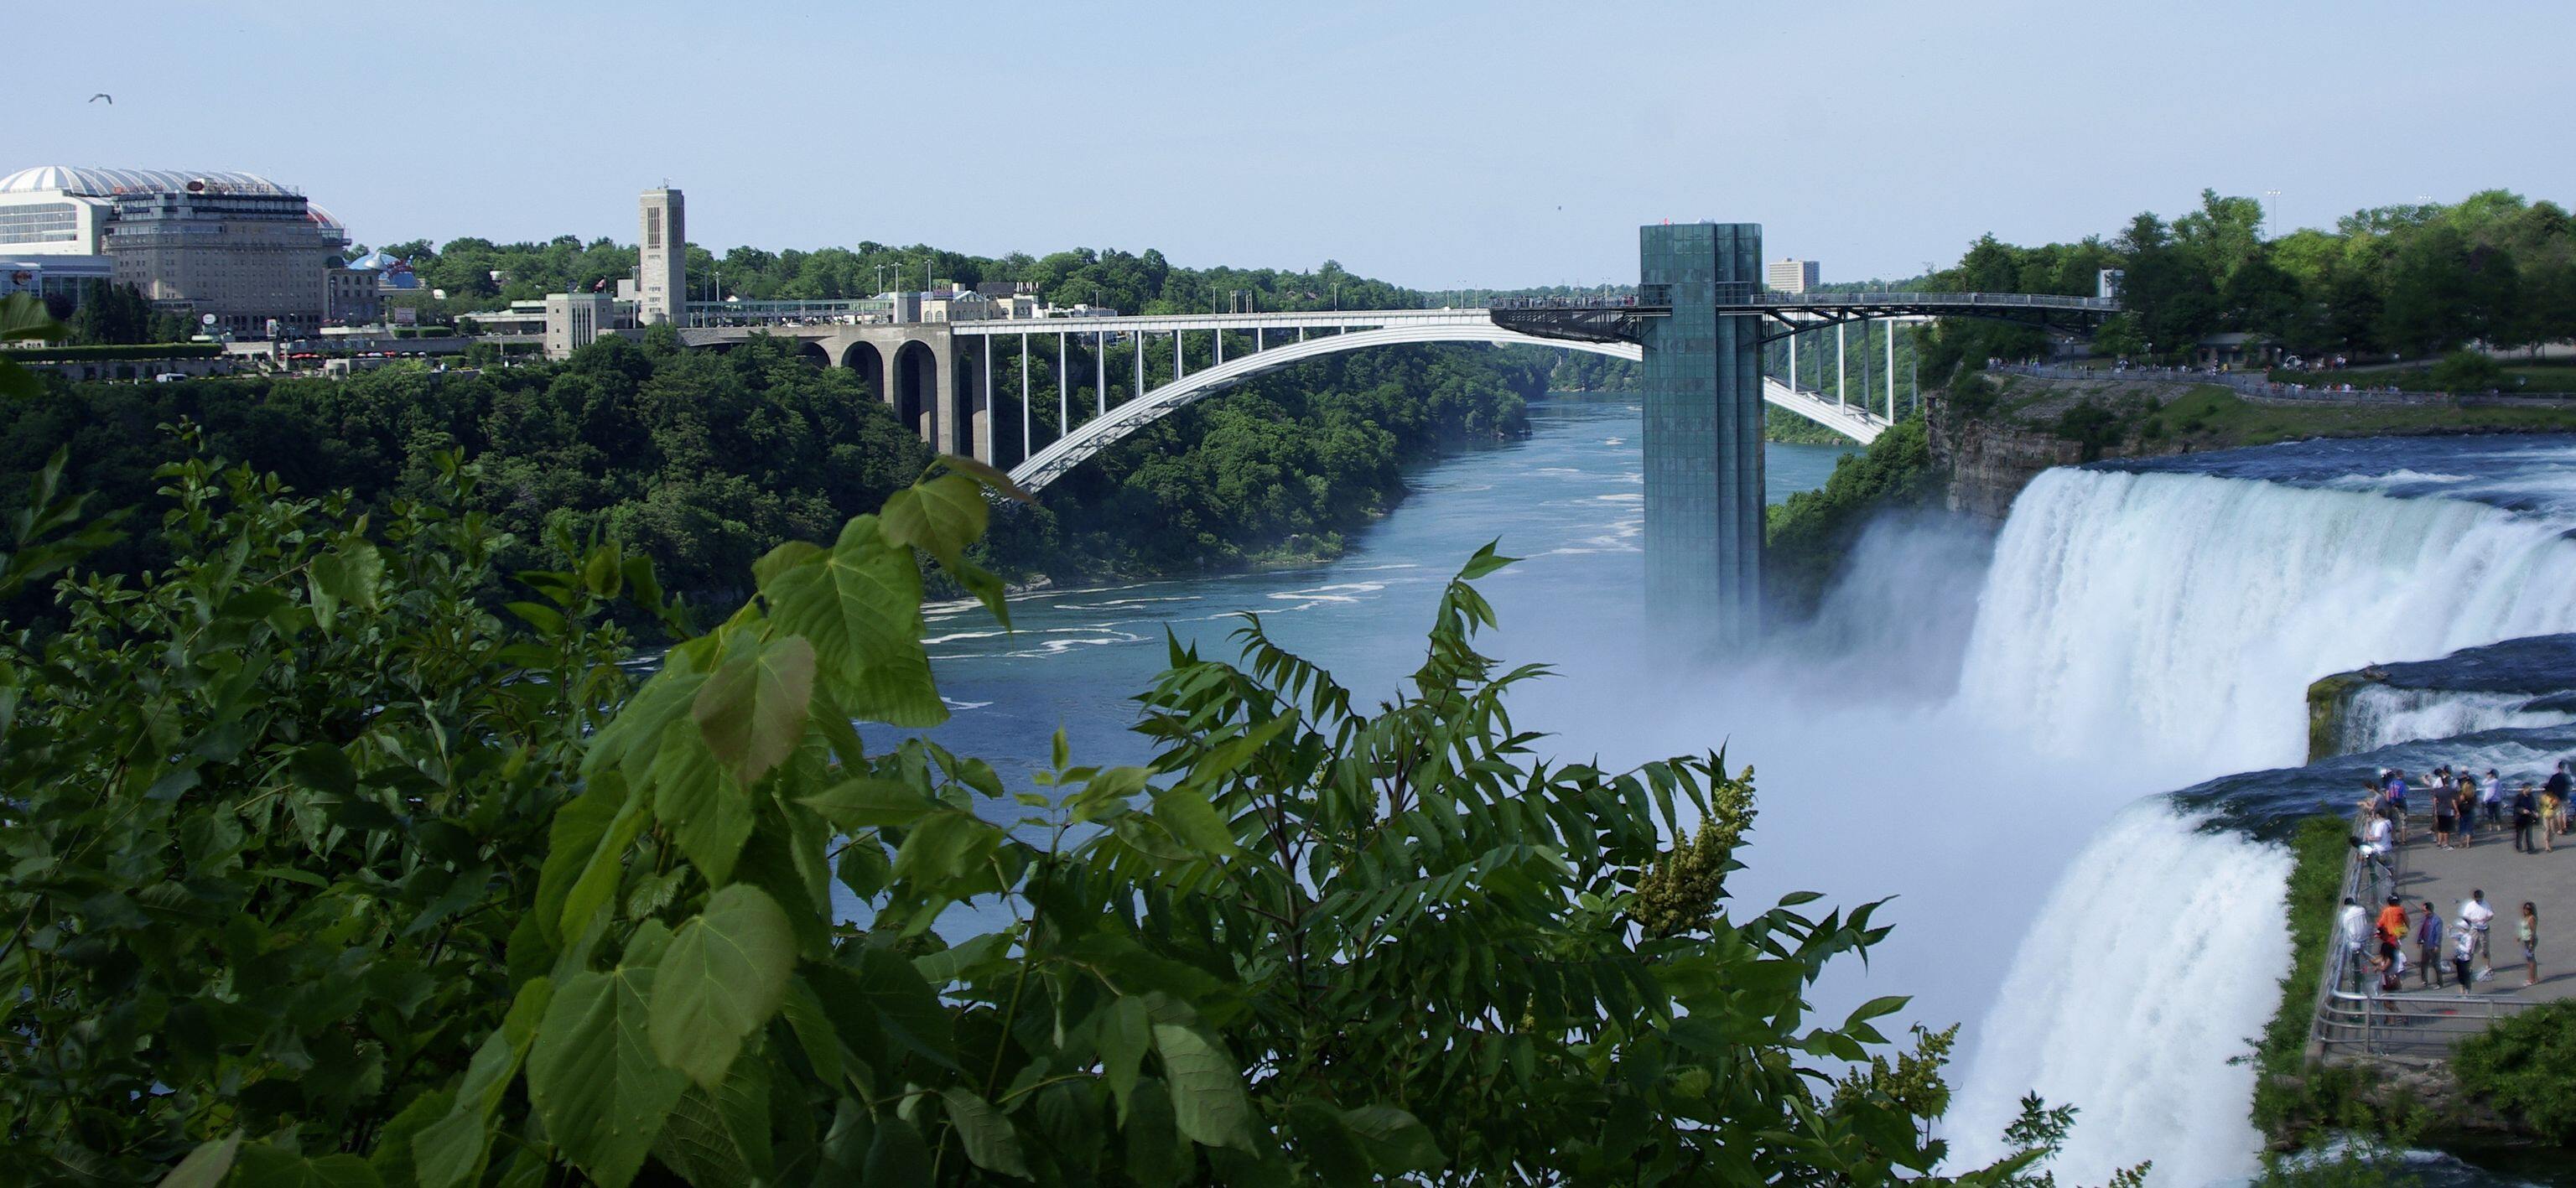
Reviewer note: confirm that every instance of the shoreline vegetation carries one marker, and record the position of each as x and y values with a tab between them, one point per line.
703	461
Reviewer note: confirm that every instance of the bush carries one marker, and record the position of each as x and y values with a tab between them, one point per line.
2525	1066
2466	371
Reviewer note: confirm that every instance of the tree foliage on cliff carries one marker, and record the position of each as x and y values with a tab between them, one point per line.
700	460
2416	279
322	874
1809	534
703	460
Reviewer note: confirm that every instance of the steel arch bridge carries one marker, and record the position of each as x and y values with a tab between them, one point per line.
1351	332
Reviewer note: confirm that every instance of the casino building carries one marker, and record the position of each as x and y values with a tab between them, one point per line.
234	245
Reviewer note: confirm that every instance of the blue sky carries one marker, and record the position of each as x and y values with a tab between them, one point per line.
1431	143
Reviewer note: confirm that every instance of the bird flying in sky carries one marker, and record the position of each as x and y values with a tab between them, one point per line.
111	99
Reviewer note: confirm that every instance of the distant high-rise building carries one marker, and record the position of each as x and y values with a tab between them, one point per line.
235	245
662	269
1791	276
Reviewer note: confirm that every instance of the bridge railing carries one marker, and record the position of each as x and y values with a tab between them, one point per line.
1772	297
1731	294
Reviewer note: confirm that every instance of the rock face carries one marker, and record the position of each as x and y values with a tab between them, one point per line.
1988	462
2398	1085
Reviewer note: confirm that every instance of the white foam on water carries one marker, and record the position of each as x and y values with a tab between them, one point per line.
2379	716
2193	611
2152	963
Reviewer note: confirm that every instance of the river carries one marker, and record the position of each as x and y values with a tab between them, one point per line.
1568	499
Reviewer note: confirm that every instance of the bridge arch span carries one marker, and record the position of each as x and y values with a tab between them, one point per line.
1102	432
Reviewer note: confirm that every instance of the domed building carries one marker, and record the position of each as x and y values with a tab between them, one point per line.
238	246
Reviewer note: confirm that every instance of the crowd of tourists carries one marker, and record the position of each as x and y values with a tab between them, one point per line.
2464	804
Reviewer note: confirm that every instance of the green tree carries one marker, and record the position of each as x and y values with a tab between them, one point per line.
324	875
23	319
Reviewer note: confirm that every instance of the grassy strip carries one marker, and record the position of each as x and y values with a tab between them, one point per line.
2293	1102
2212	415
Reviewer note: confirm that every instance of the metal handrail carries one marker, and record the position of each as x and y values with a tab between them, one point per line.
1732	294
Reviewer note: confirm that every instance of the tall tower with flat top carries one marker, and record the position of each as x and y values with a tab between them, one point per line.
1702	383
662	270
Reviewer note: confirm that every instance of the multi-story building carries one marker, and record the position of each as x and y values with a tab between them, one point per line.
61	281
246	254
235	245
1790	276
53	211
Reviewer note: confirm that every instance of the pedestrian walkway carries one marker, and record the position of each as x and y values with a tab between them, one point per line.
2547	880
2356	1019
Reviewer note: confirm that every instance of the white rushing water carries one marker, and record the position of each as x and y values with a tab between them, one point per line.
2193	611
2380	716
2149	966
2187	614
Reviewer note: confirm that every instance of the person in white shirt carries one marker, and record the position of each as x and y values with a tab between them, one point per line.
2376	845
2477	915
2354	925
2491	797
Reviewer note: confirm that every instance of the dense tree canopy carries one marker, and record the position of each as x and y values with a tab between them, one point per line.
2414	280
704	460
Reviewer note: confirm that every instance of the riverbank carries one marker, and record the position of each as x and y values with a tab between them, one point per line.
1992	433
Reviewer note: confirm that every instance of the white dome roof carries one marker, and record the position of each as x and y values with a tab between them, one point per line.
101	183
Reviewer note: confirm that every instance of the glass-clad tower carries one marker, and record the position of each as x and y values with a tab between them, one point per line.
1703	400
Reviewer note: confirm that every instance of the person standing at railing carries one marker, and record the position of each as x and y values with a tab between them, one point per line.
2428	942
2526	812
2562	790
2354	925
2375	845
2491	797
2446	817
2464	947
2393	803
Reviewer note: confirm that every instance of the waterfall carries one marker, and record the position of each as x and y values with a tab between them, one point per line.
2186	614
2152	963
2379	716
2192	611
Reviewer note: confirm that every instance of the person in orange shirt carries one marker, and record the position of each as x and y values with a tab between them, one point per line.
2392	932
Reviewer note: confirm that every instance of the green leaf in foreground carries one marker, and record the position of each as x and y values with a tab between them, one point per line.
985	1133
592	1075
1208	1101
753	707
723	976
